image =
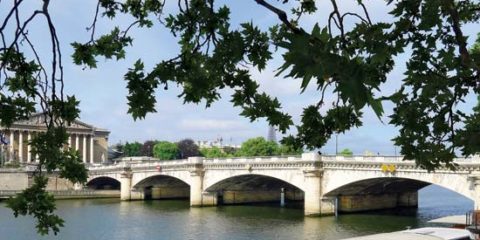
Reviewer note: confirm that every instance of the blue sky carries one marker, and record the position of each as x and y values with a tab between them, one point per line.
102	91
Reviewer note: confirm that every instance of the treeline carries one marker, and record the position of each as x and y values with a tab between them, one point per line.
183	149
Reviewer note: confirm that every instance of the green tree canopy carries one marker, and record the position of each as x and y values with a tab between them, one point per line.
345	54
147	148
132	149
346	152
288	150
213	152
258	147
165	150
188	148
230	151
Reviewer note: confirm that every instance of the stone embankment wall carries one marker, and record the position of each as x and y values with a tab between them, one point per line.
57	183
20	180
13	180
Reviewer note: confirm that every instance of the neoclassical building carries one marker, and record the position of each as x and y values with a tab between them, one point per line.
90	141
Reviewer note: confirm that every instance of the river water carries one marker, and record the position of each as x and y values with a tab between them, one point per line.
174	219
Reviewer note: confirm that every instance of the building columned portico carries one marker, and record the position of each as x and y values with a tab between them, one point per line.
91	142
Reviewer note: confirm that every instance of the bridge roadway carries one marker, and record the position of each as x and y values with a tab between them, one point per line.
325	184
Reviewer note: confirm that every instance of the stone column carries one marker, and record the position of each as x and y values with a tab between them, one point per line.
196	186
12	150
36	158
126	184
77	142
20	146
29	148
84	150
69	143
91	149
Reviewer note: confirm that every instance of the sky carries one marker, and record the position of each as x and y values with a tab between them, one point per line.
102	92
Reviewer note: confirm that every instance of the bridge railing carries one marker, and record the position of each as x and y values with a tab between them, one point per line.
362	158
472	159
251	159
304	157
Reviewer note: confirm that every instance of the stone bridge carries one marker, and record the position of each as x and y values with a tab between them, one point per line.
325	184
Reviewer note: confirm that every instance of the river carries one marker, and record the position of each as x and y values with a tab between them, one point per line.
106	219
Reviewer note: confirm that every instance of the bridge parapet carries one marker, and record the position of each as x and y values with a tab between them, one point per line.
306	160
463	164
283	162
252	159
362	158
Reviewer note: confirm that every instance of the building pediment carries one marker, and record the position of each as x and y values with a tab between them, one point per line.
38	120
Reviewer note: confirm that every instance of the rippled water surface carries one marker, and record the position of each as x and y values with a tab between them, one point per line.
174	219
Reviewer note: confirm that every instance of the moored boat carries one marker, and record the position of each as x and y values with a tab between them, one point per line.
459	230
426	233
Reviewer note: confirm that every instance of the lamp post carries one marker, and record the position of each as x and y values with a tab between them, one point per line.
336	144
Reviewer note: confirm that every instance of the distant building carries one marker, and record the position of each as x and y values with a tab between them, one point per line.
90	141
216	143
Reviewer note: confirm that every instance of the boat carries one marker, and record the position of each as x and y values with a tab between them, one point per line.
426	233
459	230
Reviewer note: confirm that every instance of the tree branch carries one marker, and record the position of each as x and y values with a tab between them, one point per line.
460	38
281	15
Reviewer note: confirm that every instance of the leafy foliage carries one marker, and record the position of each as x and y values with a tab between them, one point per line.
164	150
257	147
213	152
188	148
132	149
39	203
147	148
346	152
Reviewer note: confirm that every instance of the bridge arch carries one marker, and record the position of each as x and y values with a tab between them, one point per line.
141	177
254	188
159	179
449	180
288	177
381	193
103	182
162	186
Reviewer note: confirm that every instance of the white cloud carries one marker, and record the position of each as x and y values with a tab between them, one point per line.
210	124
